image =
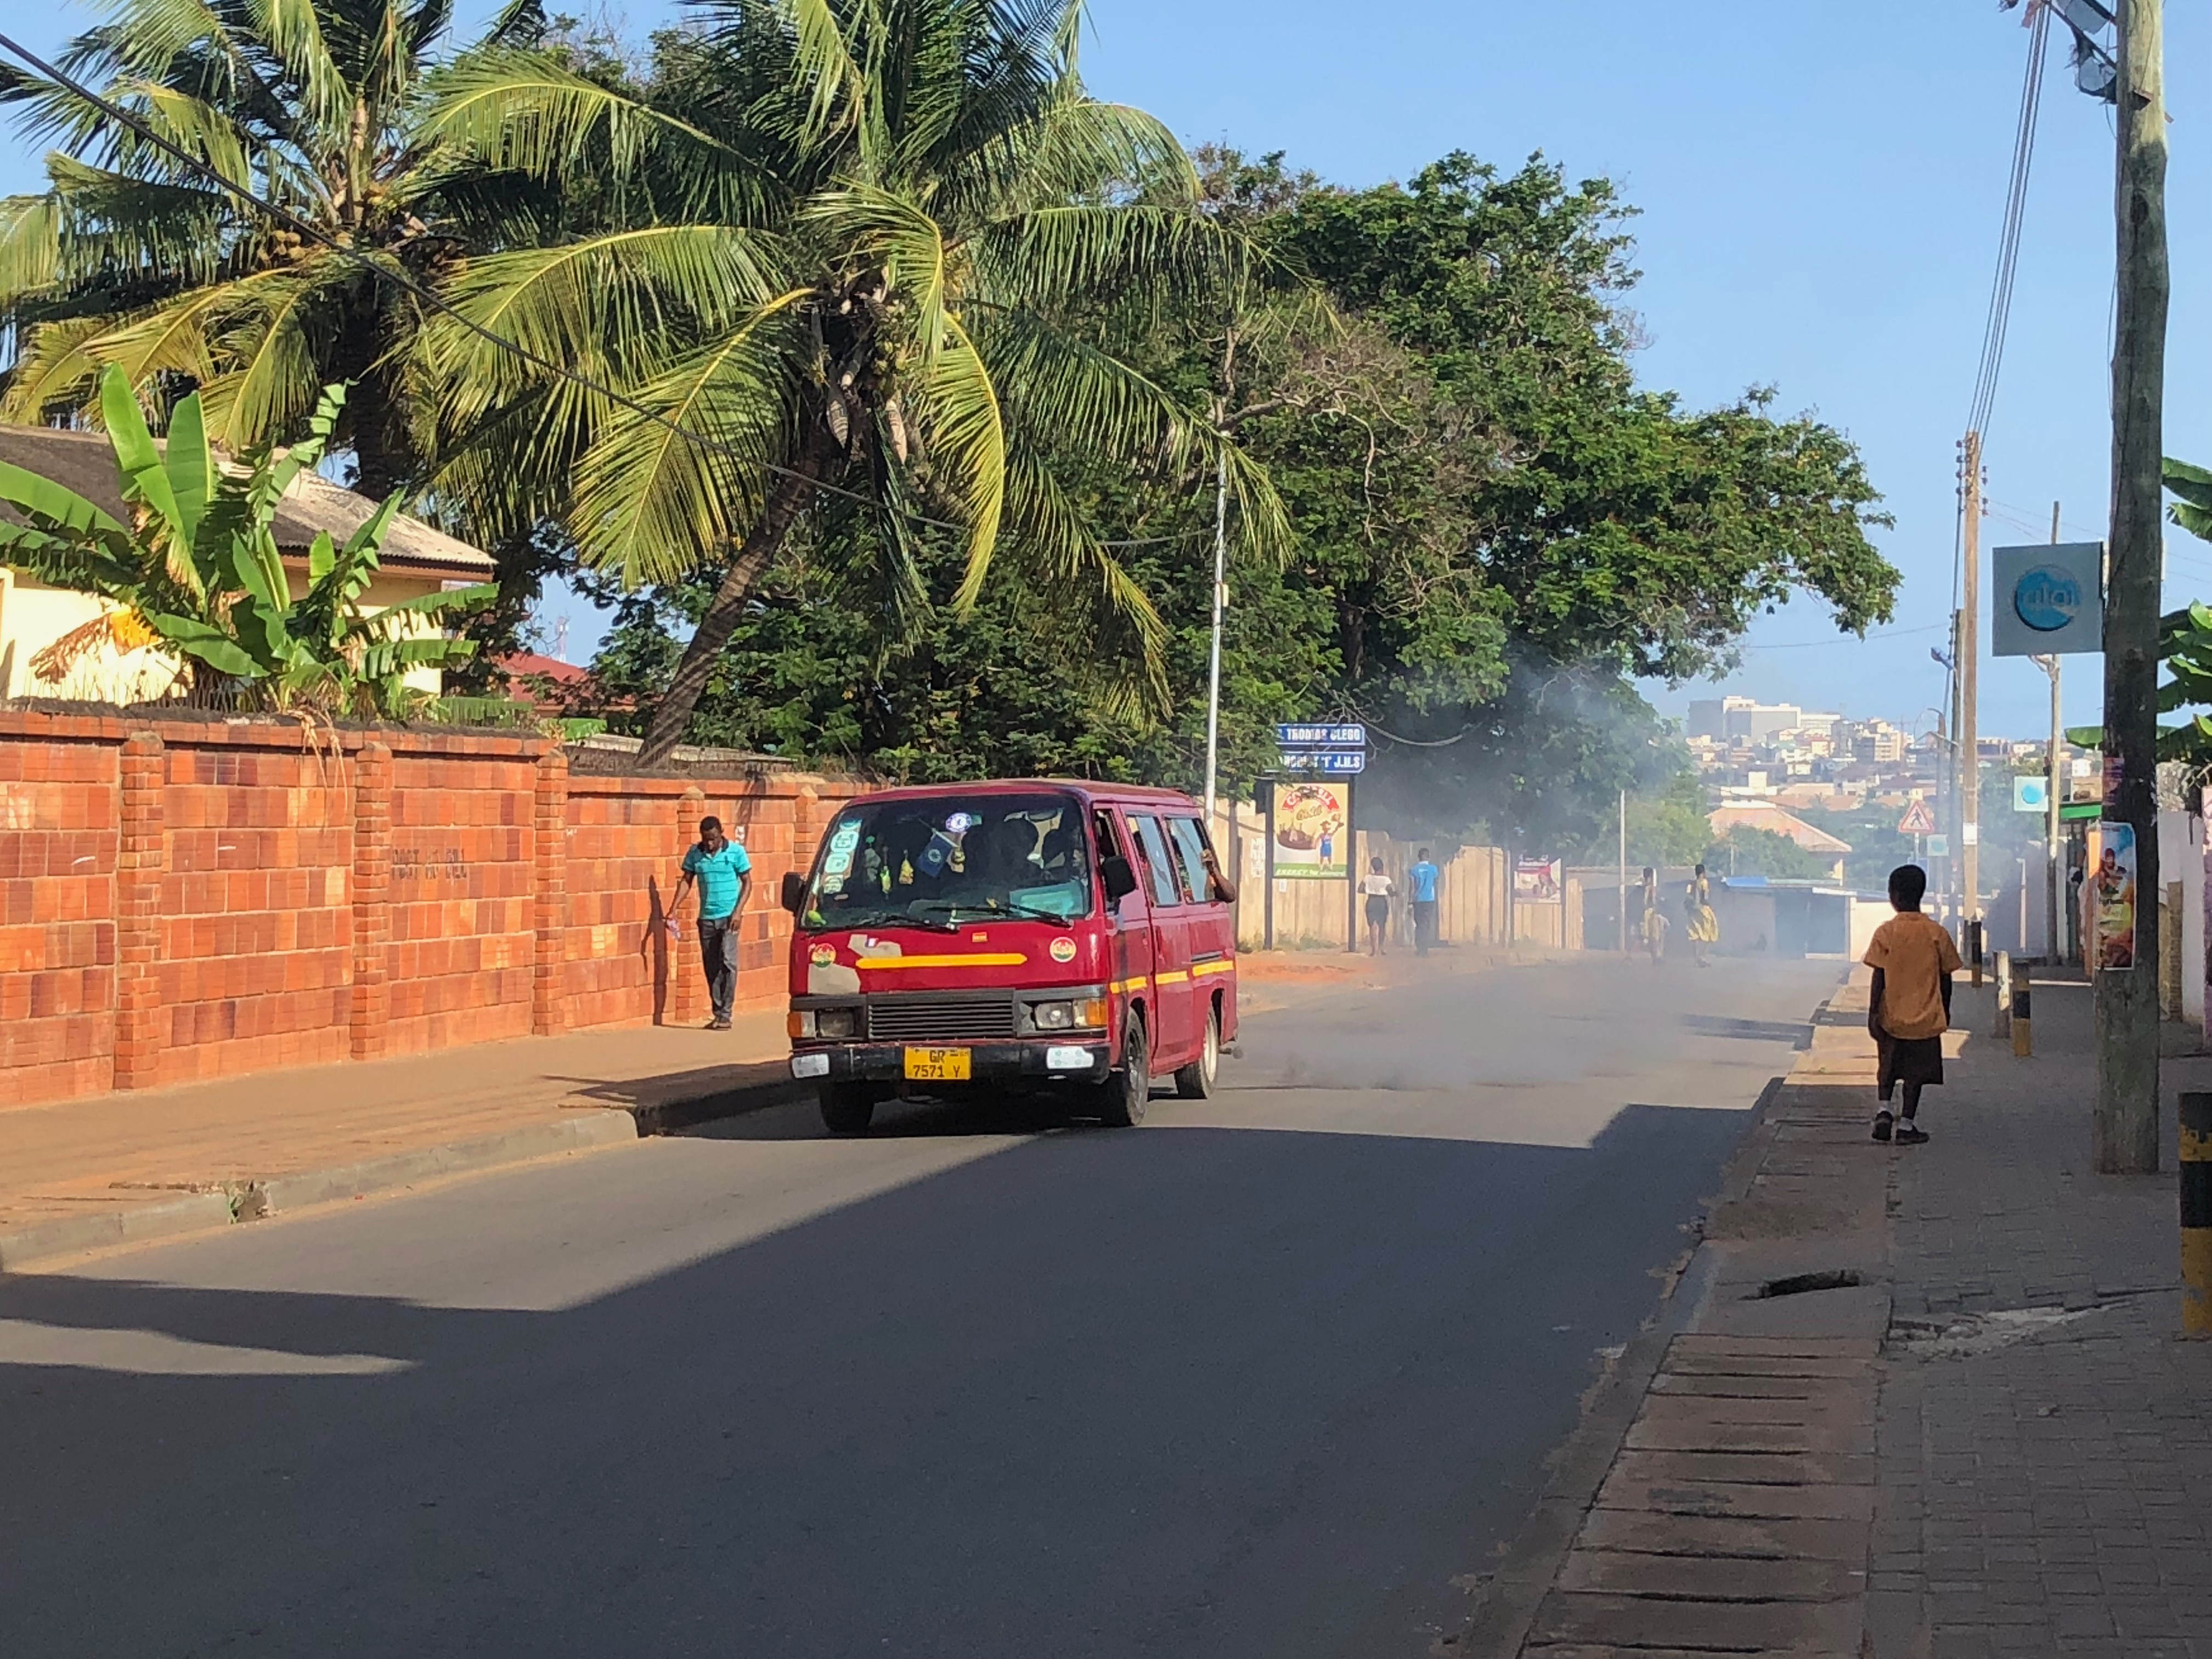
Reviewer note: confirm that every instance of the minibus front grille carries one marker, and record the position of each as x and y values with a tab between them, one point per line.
919	1018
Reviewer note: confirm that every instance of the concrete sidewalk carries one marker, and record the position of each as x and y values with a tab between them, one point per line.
90	1174
1908	1402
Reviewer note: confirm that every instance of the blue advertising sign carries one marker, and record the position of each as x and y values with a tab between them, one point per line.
1347	735
1329	763
2047	601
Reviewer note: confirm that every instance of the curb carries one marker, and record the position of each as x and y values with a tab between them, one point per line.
1510	1601
578	1130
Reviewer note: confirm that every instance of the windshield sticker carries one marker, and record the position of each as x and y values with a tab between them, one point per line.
864	945
845	841
1063	950
960	824
853	824
839	862
823	954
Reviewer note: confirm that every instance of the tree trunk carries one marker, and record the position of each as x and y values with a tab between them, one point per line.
791	492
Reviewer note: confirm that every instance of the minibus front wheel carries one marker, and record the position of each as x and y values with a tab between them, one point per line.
847	1109
1123	1095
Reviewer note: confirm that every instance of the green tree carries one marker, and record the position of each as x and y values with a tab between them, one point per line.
131	258
888	249
196	571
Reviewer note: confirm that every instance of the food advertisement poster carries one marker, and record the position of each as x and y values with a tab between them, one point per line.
1310	842
1539	881
2108	897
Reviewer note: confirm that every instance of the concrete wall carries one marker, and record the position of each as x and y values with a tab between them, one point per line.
190	899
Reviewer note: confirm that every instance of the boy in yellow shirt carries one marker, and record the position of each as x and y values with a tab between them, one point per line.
1913	959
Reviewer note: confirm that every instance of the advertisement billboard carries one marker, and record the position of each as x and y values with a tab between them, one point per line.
1311	840
1539	881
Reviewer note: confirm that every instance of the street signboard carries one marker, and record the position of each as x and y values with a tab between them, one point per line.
1539	881
2029	793
2080	811
1329	763
1918	820
2047	601
1345	734
1939	846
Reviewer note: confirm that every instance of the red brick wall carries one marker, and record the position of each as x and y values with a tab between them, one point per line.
58	847
182	900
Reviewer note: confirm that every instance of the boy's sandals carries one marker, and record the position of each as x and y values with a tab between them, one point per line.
1881	1126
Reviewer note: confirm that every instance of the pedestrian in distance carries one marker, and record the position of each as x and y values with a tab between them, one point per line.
1699	923
1653	924
724	875
1909	1009
1425	877
1378	889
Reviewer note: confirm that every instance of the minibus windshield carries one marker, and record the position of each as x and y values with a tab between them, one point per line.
947	860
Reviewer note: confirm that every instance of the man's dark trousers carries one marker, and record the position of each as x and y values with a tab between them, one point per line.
1424	925
718	955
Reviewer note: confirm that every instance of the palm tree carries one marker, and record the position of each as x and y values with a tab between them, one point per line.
131	258
883	251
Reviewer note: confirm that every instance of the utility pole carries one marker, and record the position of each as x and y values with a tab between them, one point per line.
2126	1121
1220	599
1624	872
1970	748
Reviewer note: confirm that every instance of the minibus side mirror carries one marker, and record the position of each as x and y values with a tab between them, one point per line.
1119	878
794	891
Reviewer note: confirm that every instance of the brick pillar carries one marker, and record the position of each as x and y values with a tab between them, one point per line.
548	878
371	1011
687	991
138	864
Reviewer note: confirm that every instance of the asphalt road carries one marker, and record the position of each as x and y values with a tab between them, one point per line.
1271	1375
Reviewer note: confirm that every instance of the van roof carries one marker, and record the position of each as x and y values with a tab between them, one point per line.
1087	788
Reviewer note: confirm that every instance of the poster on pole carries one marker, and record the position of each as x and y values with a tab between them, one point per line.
2108	897
1539	881
1310	839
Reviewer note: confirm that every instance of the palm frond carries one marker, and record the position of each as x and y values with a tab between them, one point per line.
30	245
53	369
268	377
294	32
868	225
838	88
1061	255
1076	149
967	449
1084	595
653	502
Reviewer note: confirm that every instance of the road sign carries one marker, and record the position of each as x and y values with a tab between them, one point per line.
1918	820
2047	600
2030	795
1939	846
1349	734
1330	762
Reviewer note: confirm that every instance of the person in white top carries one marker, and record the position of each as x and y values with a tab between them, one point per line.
1377	887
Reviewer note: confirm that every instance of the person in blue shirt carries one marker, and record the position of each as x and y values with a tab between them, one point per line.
725	877
1423	879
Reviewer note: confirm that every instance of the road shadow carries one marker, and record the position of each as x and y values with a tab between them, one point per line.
1796	1033
1176	1391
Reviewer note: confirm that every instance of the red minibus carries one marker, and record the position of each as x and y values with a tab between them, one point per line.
1030	933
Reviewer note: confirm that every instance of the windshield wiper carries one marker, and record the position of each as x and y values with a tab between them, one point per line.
887	919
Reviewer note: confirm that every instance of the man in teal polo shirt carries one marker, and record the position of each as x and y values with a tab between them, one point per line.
725	876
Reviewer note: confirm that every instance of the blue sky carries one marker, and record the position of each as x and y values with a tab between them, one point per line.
1820	188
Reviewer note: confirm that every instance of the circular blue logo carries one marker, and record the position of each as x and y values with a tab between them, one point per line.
2047	599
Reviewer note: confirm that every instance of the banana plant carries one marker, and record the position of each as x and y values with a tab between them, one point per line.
2184	636
195	572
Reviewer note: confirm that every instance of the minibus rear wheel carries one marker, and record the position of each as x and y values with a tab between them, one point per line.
1123	1095
1195	1080
847	1107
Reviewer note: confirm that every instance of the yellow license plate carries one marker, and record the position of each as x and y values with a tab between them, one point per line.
938	1066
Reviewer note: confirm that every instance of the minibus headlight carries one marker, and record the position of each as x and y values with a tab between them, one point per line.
1053	1016
837	1022
1090	1014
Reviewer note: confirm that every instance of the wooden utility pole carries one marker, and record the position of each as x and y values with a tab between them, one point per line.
2126	1125
1970	747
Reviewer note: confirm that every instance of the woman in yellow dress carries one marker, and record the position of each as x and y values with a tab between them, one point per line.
1703	926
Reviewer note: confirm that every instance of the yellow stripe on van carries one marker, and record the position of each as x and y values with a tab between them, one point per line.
1173	976
975	959
1212	968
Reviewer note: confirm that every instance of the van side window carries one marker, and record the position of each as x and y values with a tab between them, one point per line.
1157	863
1190	859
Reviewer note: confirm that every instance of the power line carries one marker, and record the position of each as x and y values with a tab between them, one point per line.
401	279
1848	639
